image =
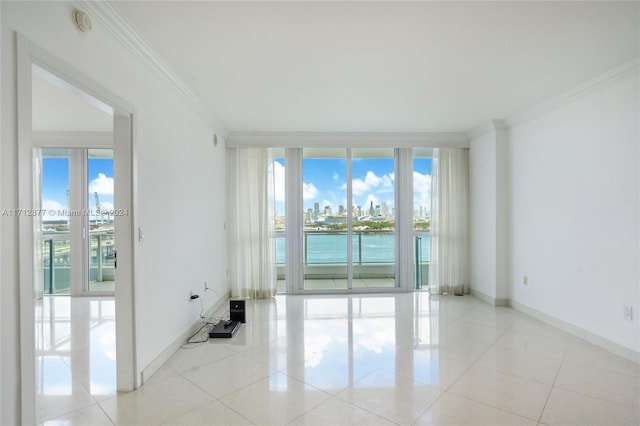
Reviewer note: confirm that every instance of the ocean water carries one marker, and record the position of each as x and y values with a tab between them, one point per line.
367	248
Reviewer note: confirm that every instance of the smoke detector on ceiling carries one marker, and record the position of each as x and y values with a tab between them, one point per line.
82	21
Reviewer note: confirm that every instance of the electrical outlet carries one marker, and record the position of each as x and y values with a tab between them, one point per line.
525	280
628	312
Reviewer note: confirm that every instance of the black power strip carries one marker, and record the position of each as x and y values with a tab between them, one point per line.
224	329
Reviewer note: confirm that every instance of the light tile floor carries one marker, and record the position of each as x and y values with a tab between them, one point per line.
332	360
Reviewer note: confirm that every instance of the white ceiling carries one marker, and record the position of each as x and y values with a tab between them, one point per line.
383	66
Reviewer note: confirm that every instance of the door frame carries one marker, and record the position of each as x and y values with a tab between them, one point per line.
78	146
403	199
125	190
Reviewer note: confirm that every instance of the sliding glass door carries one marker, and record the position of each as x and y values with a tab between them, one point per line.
77	221
348	223
100	221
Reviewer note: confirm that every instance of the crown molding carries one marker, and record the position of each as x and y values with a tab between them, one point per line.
123	31
488	127
347	139
609	78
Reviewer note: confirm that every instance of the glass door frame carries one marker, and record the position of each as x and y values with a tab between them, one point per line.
404	267
78	147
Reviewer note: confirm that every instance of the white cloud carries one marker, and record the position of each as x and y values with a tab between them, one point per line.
422	190
103	185
52	208
373	182
309	191
359	187
336	176
278	172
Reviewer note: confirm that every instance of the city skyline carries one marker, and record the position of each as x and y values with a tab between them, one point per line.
373	181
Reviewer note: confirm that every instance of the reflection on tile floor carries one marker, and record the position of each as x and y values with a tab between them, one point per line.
348	359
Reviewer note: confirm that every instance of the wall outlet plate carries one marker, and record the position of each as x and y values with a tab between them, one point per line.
628	312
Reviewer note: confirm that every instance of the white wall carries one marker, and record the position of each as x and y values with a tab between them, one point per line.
482	176
1	239
489	214
180	186
575	213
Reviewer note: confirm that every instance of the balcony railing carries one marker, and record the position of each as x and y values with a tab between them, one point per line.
373	253
56	253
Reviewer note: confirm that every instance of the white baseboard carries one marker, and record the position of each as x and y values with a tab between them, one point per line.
488	299
164	356
599	341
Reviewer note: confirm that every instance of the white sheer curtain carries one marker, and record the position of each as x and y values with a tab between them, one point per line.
251	212
449	263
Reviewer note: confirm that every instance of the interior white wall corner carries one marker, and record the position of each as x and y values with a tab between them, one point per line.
488	171
1	351
502	210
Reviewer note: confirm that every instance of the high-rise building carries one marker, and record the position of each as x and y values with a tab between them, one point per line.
316	208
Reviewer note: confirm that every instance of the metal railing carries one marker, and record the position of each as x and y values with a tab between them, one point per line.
370	248
56	260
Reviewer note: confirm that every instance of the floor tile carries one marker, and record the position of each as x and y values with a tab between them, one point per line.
329	372
335	411
581	352
533	326
570	408
521	364
92	415
213	413
390	396
228	375
278	399
548	346
460	349
185	360
517	395
339	359
460	329
451	409
277	354
155	402
613	387
428	367
61	398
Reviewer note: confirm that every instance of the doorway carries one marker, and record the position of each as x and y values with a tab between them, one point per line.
51	128
83	215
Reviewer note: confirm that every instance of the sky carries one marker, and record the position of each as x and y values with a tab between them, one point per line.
55	182
324	181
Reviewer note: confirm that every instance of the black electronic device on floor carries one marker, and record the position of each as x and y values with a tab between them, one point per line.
237	310
225	328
